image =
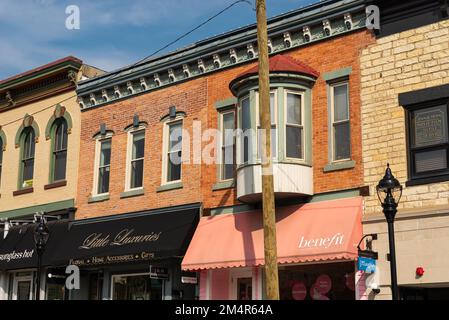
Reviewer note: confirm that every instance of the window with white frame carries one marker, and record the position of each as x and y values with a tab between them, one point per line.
227	143
341	145
294	126
245	125
103	166
173	151
136	151
273	114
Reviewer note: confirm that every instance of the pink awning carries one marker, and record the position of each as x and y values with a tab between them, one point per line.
328	230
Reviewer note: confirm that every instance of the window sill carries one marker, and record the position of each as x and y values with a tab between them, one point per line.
171	186
228	184
132	193
421	181
99	198
23	191
343	165
57	184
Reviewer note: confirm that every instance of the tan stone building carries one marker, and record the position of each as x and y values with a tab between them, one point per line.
39	149
405	95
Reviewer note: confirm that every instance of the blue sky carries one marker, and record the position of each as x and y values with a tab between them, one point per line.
113	33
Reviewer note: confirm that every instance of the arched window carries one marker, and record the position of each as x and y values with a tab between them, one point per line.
28	144
59	150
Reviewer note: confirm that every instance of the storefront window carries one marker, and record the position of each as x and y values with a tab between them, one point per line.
136	287
318	282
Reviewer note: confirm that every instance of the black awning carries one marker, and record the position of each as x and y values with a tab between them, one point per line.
126	238
17	250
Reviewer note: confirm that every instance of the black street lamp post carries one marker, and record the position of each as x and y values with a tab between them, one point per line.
389	191
41	235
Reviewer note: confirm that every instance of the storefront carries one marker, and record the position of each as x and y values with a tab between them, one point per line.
317	252
133	256
18	260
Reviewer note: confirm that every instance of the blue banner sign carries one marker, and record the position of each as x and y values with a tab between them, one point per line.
366	264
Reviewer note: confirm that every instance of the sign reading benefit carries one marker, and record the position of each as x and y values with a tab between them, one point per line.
430	126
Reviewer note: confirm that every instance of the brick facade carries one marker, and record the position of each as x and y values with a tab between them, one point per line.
197	97
403	62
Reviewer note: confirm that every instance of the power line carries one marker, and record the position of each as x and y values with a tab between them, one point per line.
36	112
147	57
196	28
183	35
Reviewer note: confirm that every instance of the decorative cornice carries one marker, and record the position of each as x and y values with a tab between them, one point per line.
318	22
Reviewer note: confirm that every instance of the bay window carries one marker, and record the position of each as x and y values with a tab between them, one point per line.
245	125
273	114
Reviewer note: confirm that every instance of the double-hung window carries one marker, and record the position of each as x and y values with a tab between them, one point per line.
27	161
294	126
173	155
227	143
104	165
60	150
136	159
273	115
341	144
428	140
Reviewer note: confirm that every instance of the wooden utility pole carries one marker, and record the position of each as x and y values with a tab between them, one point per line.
269	219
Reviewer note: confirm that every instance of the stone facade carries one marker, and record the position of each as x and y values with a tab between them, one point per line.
403	62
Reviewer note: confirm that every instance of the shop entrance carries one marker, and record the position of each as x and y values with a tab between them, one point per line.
136	287
22	287
244	289
409	293
242	285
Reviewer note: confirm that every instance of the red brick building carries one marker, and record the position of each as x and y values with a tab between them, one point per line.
129	114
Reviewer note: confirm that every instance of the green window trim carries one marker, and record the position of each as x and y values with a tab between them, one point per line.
48	207
99	198
132	193
340	165
169	186
225	184
337	74
227	103
51	121
22	128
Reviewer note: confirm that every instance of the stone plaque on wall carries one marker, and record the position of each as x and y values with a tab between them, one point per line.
430	126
